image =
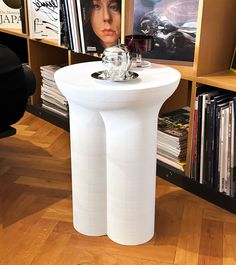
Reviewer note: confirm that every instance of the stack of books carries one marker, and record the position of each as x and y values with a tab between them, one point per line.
172	137
52	99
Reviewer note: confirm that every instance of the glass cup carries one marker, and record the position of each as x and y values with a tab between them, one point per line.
138	44
117	62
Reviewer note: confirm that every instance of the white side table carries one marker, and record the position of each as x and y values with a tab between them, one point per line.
113	128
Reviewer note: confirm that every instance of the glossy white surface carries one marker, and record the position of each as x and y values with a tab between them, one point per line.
113	149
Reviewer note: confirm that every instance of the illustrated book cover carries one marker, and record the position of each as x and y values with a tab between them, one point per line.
175	123
44	21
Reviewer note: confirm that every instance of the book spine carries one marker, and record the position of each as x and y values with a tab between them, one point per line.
227	137
233	151
193	173
199	128
68	24
217	149
202	153
81	25
213	143
63	39
73	25
207	140
22	16
234	164
220	165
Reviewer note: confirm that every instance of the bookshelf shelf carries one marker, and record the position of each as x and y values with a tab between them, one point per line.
187	72
224	79
215	43
186	69
14	32
49	42
178	178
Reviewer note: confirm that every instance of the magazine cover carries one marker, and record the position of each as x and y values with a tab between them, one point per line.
175	123
172	23
10	14
100	24
43	19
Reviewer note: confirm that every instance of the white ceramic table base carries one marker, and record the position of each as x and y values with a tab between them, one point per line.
114	173
113	153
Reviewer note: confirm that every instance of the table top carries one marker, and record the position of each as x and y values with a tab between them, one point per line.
153	85
79	75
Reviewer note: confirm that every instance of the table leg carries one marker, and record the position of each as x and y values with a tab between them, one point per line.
131	174
88	158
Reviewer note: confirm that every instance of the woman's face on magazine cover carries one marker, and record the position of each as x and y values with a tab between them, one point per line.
105	21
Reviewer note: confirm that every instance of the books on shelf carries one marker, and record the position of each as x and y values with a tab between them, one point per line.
74	25
44	20
10	14
70	23
213	142
205	166
69	33
52	99
172	134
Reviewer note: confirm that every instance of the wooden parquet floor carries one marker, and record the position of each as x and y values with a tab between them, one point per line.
36	215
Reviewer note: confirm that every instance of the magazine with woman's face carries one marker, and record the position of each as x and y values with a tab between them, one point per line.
101	24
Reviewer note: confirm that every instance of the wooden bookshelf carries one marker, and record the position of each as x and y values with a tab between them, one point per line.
215	42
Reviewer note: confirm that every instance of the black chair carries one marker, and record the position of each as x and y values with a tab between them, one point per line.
17	83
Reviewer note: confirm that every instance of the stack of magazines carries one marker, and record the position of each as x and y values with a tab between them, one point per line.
52	99
172	137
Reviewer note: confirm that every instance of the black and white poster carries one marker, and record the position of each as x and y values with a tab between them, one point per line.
173	25
44	19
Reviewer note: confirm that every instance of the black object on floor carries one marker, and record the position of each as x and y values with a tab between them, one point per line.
9	131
